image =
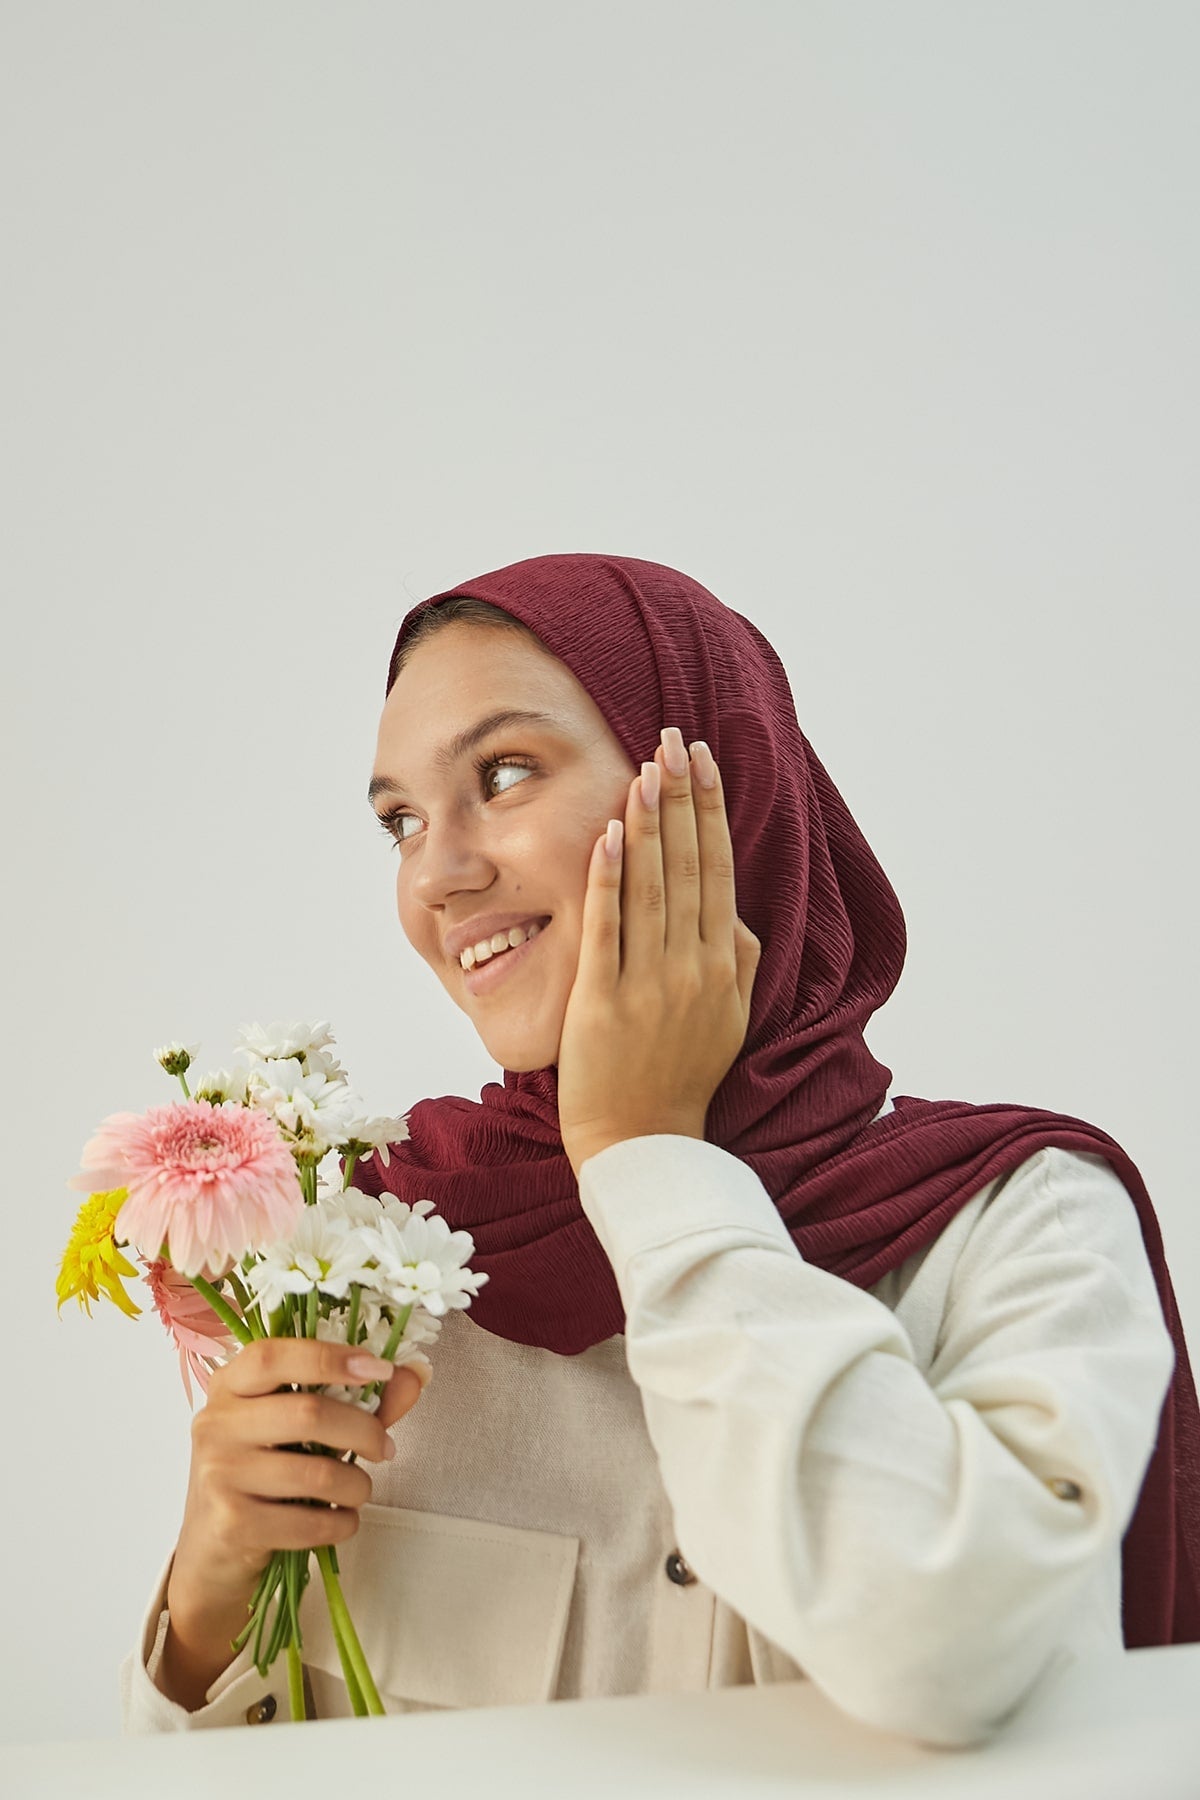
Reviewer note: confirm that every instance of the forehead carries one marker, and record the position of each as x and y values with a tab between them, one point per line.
465	671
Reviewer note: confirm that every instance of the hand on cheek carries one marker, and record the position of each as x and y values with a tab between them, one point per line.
661	999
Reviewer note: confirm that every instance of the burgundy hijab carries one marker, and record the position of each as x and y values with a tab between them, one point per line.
654	648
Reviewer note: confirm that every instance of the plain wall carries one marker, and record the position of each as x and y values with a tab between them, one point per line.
878	320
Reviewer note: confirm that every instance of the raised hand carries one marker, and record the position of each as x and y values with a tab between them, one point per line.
661	999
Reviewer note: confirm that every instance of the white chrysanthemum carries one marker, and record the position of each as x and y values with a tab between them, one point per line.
323	1252
419	1328
222	1087
274	1042
368	1209
319	1062
373	1135
375	1340
176	1058
310	1110
422	1263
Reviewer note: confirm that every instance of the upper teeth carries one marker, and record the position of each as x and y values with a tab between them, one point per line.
503	940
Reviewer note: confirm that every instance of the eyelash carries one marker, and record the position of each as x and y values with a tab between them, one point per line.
391	820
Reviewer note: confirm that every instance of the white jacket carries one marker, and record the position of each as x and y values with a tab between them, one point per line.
913	1496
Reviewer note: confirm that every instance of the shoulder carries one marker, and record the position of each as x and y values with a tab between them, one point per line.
1054	1245
1074	1194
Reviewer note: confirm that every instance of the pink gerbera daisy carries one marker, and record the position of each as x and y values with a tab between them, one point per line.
209	1182
203	1341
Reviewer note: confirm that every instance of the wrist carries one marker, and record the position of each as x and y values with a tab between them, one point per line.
579	1147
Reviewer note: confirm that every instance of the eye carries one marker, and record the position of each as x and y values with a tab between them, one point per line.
393	821
485	764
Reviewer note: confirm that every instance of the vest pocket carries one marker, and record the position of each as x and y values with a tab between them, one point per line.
450	1612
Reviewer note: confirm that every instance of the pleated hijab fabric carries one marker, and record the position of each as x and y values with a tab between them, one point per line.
858	1194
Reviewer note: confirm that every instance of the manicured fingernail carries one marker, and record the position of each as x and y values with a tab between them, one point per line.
706	768
674	754
365	1367
651	776
389	1449
612	838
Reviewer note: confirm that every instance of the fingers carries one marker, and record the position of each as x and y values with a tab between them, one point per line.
718	894
672	880
272	1363
600	943
643	879
403	1391
287	1475
679	840
269	1525
297	1418
679	866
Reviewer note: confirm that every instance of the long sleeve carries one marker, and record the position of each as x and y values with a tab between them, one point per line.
238	1696
914	1537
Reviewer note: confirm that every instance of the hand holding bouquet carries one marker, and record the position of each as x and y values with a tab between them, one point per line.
245	1242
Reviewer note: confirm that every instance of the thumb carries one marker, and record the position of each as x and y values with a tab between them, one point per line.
403	1390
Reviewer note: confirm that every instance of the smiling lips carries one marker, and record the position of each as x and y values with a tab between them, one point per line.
487	948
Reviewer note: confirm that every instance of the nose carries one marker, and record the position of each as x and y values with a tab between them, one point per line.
452	859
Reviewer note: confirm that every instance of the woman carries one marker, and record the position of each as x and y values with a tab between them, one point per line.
774	1375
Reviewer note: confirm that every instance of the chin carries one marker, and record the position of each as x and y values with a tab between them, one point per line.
519	1060
521	1052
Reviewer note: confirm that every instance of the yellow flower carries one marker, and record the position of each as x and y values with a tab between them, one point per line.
91	1260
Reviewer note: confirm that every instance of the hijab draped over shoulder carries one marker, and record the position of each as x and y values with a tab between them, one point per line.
859	1194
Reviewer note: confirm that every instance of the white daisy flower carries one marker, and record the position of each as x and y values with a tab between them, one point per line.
368	1209
271	1043
332	1331
176	1058
421	1262
371	1136
319	1062
323	1252
222	1087
310	1110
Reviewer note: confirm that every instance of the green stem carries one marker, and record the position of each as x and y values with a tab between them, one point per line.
343	1626
260	1593
358	1705
397	1332
352	1315
249	1307
296	1682
187	1092
389	1350
348	1171
222	1308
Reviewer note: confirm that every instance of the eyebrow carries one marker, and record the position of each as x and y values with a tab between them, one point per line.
457	747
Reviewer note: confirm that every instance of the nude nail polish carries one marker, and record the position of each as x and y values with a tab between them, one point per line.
706	768
674	754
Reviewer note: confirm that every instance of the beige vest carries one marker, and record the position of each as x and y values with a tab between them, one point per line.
454	1612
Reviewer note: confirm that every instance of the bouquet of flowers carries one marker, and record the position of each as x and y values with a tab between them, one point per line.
241	1235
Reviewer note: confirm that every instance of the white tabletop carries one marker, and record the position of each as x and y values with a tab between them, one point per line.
1119	1728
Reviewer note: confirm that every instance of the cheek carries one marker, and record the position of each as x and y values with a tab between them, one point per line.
409	917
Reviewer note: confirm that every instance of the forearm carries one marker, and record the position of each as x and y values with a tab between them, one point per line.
151	1705
198	1647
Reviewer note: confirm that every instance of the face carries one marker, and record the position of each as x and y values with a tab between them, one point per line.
502	823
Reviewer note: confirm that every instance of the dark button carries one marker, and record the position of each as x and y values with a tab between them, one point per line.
1064	1489
678	1571
262	1712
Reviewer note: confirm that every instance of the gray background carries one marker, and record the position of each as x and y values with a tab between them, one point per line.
877	319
